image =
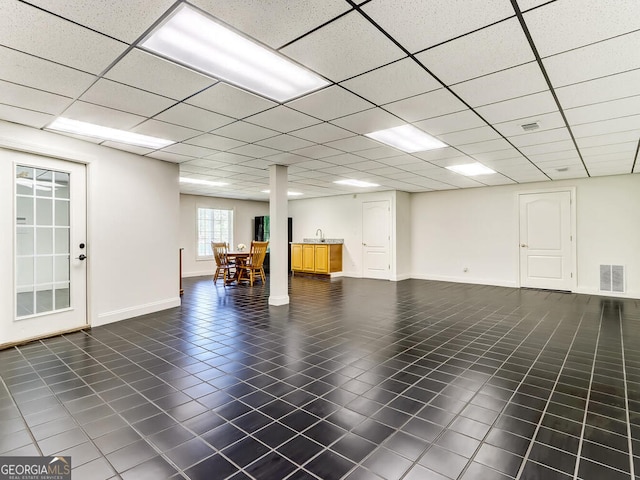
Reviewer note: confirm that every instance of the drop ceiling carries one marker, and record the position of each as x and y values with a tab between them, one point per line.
469	73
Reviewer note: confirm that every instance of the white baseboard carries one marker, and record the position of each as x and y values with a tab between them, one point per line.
199	274
278	301
399	278
593	291
135	311
475	281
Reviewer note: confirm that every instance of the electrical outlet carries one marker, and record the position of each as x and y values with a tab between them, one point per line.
465	269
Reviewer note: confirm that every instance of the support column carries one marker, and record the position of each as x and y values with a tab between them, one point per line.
279	239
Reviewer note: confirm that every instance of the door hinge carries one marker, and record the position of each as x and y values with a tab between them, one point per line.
571	238
571	274
389	267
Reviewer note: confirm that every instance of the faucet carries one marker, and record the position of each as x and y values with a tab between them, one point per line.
321	234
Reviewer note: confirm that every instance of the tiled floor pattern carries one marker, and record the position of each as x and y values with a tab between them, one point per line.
357	379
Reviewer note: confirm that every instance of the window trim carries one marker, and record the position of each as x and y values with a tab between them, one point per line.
207	258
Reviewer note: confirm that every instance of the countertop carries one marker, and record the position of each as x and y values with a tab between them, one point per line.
332	241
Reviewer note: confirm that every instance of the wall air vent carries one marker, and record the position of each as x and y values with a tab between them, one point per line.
530	127
612	278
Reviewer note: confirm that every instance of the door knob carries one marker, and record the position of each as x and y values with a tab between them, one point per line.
523	245
81	257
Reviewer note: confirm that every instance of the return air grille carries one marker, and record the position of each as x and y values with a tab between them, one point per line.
529	127
612	278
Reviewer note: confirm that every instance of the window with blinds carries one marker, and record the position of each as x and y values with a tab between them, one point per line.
214	225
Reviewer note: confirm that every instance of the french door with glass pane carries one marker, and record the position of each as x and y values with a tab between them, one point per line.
50	247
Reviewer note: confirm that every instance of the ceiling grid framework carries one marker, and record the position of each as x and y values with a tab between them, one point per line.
470	76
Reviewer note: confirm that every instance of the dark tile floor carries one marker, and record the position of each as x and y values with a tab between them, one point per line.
356	379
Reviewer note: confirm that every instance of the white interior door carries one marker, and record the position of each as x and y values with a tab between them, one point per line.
546	256
376	239
49	248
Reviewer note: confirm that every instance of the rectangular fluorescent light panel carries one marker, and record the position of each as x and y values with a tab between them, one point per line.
198	41
407	138
471	169
356	183
289	193
197	181
77	127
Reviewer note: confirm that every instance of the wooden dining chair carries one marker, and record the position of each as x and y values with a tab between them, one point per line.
253	266
222	262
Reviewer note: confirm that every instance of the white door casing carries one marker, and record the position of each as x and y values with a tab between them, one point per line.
376	240
49	243
546	240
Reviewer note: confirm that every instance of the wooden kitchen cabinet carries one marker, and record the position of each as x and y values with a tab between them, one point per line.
322	258
296	257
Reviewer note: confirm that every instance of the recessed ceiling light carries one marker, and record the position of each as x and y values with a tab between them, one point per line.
196	40
407	138
290	193
197	181
67	125
471	169
356	183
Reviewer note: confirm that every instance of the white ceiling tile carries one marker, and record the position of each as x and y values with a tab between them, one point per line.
24	69
345	159
228	158
127	148
194	117
215	142
231	101
275	23
368	121
169	157
282	119
107	117
379	153
256	151
188	150
353	144
314	165
168	131
525	5
285	143
554	156
427	105
330	103
287	158
546	121
610	158
603	111
423	23
589	21
607	139
483	147
36	32
609	57
325	132
621	85
494	48
24	117
608	126
472	135
317	151
157	75
245	132
128	99
496	87
438	154
32	99
538	137
361	47
121	19
571	172
624	147
257	163
548	147
521	107
509	154
453	122
396	81
610	169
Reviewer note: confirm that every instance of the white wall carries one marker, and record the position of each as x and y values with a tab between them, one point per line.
243	214
403	236
339	217
133	213
478	229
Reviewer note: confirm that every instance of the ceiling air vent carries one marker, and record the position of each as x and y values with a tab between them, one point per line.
562	169
530	127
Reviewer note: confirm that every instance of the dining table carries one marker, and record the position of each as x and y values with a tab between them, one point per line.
237	258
